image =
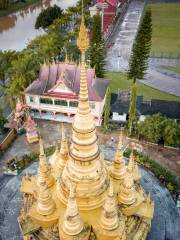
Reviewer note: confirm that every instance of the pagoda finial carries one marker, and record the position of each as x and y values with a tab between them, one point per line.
45	203
62	155
118	169
83	40
127	193
120	144
72	224
44	172
41	145
131	163
54	157
64	145
66	59
109	217
63	138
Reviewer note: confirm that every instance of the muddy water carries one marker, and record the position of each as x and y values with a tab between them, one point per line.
17	29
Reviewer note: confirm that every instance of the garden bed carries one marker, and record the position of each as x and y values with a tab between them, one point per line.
164	175
15	166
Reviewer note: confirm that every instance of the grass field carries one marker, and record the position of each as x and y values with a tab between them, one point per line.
166	28
120	81
17	6
172	68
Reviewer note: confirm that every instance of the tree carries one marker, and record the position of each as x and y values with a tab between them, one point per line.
132	121
46	47
4	4
22	72
138	62
6	59
47	16
97	49
107	108
171	132
141	49
2	121
152	127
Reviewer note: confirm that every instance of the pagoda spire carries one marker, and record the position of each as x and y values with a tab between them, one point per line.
118	168
54	157
84	166
44	172
109	217
132	168
84	124
45	204
127	193
63	153
131	163
72	224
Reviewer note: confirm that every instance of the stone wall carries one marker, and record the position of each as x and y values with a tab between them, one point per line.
166	156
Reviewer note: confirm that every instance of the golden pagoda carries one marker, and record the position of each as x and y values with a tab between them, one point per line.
81	196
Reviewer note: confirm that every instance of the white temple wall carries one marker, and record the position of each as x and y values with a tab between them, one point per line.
119	117
54	111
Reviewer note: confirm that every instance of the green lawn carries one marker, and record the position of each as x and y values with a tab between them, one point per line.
17	6
172	68
120	81
166	28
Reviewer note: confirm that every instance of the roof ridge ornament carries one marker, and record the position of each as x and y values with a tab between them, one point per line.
83	40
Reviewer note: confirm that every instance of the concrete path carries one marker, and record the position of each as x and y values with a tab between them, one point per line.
118	55
165	224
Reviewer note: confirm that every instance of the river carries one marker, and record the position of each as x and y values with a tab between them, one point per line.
17	29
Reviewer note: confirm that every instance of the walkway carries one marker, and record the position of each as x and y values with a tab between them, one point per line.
123	38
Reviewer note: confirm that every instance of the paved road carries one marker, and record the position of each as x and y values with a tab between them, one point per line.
165	225
162	82
118	55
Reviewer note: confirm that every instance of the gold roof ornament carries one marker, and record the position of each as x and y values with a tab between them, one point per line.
109	218
63	153
132	167
44	171
131	163
55	155
72	224
45	203
83	38
118	168
127	193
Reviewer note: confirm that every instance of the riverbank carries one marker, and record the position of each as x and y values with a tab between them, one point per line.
16	7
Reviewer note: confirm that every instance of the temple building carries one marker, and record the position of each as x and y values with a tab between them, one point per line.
54	95
78	194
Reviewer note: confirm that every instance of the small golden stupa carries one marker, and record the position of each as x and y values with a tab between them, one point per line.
80	195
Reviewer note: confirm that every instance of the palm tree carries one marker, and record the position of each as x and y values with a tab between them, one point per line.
22	72
6	59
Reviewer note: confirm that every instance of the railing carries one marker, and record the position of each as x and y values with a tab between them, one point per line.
165	55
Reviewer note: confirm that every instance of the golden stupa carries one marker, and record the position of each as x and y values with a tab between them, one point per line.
80	195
